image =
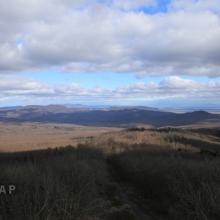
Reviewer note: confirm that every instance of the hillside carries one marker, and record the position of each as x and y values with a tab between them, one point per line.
132	174
120	117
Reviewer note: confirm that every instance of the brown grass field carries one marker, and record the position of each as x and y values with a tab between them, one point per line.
31	136
15	137
186	139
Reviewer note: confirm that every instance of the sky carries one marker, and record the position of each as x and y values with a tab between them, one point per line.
163	53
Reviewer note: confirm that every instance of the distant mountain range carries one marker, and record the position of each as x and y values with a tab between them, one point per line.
104	116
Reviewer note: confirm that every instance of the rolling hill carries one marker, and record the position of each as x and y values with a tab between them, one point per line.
120	117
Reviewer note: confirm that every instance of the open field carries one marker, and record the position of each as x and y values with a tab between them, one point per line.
204	124
30	136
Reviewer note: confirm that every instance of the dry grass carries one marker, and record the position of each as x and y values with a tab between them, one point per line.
212	123
31	136
125	140
122	139
155	139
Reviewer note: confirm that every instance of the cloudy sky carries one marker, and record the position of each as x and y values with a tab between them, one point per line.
162	53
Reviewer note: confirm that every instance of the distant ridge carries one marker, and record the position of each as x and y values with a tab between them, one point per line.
105	116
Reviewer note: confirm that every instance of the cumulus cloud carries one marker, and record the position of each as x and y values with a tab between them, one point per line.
171	87
16	87
97	36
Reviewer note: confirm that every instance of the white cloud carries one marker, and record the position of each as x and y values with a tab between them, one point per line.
87	36
175	82
15	87
169	88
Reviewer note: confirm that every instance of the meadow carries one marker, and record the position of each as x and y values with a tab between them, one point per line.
18	136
